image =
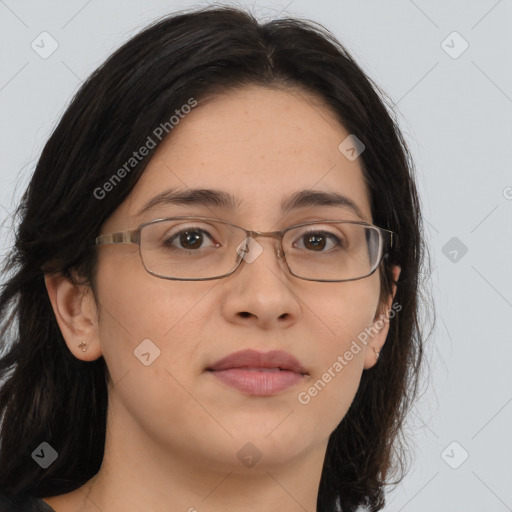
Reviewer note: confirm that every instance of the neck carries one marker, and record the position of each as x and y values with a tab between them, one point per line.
139	473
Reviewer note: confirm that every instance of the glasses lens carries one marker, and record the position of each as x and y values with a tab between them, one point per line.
203	249
189	249
333	251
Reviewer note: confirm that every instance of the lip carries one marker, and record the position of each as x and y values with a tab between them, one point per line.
259	373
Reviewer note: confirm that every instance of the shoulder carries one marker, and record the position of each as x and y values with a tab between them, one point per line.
23	504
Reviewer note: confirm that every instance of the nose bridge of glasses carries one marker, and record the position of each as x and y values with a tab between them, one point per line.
276	235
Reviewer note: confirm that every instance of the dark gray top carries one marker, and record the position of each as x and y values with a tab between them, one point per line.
23	504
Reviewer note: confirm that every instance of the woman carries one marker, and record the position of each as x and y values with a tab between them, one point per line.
212	303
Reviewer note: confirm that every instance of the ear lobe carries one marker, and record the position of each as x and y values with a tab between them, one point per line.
396	269
75	311
380	328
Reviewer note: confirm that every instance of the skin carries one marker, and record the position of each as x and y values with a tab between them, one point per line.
174	430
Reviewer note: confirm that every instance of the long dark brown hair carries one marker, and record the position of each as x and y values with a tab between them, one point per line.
47	393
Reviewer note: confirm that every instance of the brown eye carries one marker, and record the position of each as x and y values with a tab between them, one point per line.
317	241
192	239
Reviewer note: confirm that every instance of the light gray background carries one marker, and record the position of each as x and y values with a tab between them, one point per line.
457	116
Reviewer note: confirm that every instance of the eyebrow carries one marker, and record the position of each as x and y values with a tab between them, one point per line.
221	199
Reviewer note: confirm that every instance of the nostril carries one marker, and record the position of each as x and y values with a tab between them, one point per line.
244	314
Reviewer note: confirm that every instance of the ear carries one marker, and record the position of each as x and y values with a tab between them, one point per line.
76	313
378	332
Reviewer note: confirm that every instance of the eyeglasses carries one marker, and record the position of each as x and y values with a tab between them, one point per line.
201	248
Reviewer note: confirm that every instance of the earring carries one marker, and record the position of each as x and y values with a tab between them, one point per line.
83	346
377	354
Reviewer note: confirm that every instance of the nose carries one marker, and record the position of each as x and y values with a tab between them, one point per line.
261	290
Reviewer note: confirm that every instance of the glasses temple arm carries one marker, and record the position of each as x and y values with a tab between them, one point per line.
123	237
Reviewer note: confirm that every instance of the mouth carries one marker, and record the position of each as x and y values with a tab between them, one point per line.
257	373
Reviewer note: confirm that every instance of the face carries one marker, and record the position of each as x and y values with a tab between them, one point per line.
260	146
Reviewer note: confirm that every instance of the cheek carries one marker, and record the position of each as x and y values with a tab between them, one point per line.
136	307
342	316
149	336
134	301
344	310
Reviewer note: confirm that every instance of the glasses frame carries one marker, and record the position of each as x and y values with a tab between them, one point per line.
387	240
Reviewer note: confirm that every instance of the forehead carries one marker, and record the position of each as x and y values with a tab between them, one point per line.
260	146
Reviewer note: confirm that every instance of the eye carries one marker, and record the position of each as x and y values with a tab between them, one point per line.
190	239
317	241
